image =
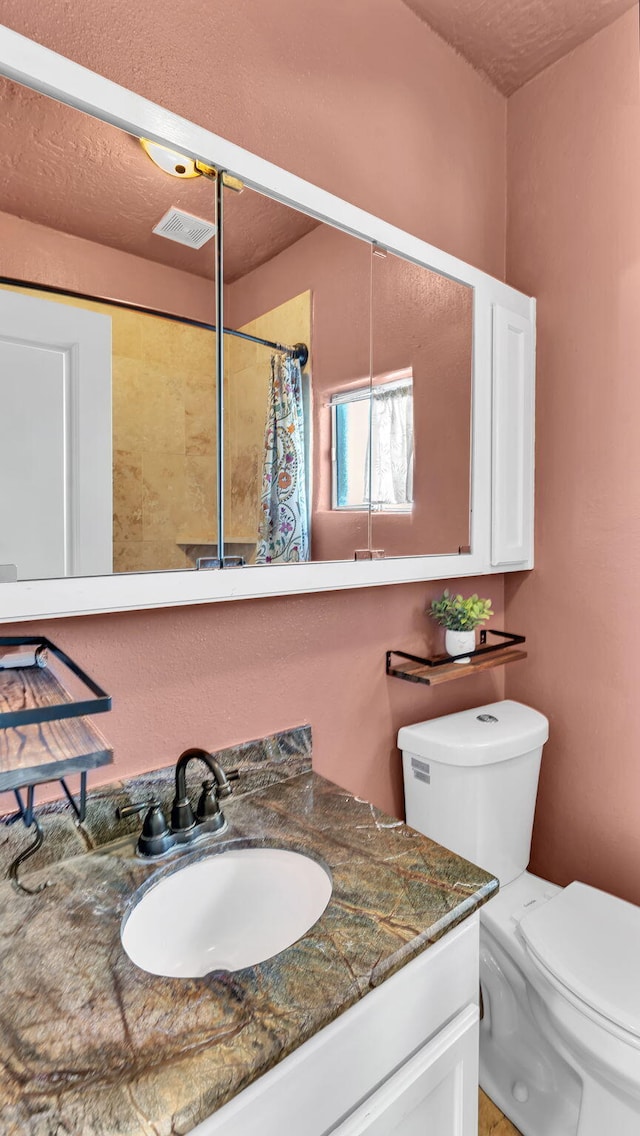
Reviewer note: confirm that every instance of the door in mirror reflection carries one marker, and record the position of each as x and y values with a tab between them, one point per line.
422	336
56	508
93	234
288	281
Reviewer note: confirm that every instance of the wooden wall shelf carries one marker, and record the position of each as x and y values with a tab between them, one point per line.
45	734
441	668
44	751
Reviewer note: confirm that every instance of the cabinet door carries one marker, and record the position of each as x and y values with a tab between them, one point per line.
436	1091
512	440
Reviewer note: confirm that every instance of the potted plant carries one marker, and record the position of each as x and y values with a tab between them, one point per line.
460	617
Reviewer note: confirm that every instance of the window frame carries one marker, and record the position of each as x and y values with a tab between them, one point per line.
389	380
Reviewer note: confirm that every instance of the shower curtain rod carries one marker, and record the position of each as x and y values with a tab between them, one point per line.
299	351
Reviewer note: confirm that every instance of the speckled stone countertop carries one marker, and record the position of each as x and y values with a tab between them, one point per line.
92	1046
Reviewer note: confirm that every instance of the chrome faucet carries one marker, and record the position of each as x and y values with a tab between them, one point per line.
157	836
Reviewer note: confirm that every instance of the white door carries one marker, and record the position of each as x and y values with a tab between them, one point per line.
56	494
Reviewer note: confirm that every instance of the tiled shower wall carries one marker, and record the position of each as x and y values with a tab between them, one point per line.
164	440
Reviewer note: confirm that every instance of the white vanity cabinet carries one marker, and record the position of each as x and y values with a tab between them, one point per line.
402	1061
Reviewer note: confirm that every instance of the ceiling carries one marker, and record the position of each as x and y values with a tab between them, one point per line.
68	171
511	41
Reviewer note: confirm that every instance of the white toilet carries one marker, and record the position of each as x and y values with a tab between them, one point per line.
559	967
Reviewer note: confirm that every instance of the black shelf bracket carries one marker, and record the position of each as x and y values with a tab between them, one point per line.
99	704
435	661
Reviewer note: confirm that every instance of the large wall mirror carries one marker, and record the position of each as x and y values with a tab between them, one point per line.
368	441
293	281
422	339
367	445
347	372
201	368
108	427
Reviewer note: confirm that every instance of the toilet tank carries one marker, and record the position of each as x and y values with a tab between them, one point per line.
470	782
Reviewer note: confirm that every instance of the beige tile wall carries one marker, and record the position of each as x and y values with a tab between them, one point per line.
246	390
164	440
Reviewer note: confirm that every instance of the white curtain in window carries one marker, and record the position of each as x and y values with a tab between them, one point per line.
392	446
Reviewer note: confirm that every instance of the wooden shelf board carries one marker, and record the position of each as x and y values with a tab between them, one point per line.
45	751
433	676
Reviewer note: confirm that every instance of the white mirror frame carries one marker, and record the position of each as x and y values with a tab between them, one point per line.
51	74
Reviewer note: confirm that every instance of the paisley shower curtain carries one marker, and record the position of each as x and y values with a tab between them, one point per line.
284	528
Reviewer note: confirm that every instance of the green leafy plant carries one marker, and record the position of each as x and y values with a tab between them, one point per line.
457	614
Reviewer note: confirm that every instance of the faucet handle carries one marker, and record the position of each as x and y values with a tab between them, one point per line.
208	812
155	837
208	806
182	815
124	811
225	790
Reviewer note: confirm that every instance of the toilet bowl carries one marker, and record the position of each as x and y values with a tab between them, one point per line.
559	968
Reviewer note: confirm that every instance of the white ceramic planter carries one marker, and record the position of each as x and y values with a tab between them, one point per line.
458	641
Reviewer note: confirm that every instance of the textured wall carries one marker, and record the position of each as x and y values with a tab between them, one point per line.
198	675
363	99
46	256
574	242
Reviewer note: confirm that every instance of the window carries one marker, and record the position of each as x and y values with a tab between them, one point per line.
386	464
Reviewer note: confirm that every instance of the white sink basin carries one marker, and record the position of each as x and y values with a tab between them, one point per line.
225	912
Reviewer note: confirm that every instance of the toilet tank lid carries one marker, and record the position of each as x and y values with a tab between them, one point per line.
482	736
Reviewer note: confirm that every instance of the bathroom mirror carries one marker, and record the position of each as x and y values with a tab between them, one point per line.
290	280
115	253
111	226
422	348
108	427
369	450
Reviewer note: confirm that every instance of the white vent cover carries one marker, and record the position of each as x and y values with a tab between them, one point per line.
184	228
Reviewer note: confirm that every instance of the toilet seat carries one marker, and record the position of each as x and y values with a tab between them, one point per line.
588	943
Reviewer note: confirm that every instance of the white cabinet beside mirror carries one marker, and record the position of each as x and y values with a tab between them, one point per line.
415	404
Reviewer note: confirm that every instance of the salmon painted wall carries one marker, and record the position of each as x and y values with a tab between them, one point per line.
41	255
364	100
574	242
227	672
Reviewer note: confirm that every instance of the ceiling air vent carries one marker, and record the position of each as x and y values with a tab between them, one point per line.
185	228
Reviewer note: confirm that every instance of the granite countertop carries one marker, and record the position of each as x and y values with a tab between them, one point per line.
90	1044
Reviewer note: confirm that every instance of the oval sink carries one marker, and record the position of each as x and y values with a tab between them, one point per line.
225	912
